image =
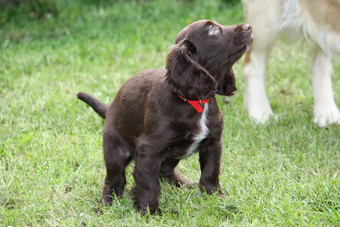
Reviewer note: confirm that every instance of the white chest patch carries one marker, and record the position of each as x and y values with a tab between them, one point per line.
202	134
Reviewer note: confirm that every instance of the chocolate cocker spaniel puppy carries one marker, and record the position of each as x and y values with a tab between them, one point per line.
160	116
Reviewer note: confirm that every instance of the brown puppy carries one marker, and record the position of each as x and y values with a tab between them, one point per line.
162	115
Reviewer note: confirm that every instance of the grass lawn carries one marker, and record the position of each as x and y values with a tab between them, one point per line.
284	173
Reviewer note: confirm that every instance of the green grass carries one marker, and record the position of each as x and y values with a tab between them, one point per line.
284	173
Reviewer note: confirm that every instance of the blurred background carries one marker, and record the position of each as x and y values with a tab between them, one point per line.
94	42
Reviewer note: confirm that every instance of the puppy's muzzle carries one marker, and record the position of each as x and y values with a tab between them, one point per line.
243	35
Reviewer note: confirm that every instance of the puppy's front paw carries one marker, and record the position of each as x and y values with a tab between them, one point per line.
106	200
147	211
211	189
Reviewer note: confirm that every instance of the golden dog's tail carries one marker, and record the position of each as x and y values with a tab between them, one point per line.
96	105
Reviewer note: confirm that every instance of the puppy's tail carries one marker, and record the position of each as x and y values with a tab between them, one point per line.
96	105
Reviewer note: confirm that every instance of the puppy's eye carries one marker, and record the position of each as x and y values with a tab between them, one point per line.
213	30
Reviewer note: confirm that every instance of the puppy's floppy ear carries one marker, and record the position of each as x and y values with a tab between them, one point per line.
227	85
185	76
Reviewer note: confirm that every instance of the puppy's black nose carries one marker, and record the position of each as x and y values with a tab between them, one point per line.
246	27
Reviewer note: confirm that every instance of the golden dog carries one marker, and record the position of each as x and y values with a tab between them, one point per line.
315	20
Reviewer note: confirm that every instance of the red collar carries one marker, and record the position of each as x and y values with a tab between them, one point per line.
195	103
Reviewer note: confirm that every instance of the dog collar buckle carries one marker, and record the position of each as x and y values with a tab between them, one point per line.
184	99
